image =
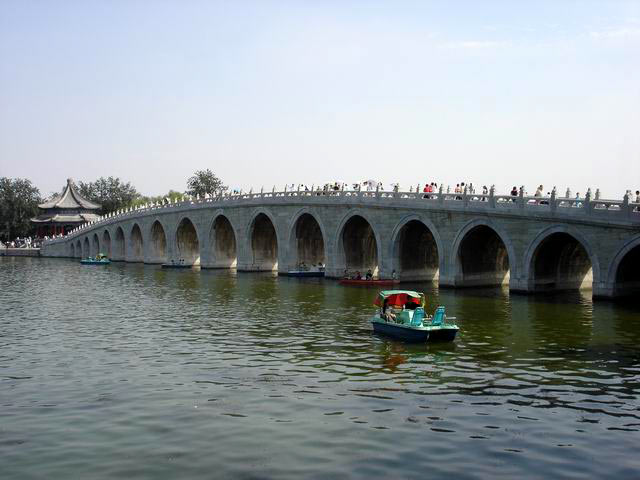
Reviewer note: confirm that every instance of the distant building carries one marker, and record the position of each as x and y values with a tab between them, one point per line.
65	212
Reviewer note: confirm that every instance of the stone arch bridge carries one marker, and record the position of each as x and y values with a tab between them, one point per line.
528	243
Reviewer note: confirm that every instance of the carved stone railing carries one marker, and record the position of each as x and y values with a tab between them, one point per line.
561	208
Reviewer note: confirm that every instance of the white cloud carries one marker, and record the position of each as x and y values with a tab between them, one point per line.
621	32
475	44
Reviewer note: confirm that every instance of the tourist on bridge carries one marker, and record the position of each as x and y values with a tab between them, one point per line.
539	191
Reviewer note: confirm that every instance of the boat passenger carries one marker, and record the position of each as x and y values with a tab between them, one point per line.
369	275
388	315
358	275
410	304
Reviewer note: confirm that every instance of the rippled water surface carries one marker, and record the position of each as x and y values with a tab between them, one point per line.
130	371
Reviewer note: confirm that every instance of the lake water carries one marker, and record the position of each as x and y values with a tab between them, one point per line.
130	371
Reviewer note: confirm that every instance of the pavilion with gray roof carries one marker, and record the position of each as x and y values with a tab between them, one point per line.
65	212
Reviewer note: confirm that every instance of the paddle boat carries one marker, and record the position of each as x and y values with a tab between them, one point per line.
401	315
100	259
305	271
178	264
368	281
363	282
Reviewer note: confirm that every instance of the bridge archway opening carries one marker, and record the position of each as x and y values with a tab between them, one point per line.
188	243
483	258
72	250
106	243
416	253
119	250
95	247
264	243
86	248
307	241
628	274
360	246
78	249
560	262
137	246
223	243
158	252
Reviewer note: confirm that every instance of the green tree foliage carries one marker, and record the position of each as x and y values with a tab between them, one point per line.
204	181
18	204
111	193
172	196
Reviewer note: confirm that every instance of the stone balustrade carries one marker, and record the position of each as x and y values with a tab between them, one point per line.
607	210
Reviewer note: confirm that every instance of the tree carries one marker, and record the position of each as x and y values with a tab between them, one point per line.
19	201
204	181
172	197
111	193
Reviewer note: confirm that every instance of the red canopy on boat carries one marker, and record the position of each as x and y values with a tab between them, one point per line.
397	299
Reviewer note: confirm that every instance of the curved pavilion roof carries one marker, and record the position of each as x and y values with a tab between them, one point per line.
70	198
72	218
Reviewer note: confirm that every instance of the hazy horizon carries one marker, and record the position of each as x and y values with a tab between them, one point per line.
273	92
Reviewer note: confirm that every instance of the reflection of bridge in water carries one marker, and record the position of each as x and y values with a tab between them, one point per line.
468	240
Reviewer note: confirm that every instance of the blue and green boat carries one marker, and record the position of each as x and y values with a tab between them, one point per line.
100	259
401	314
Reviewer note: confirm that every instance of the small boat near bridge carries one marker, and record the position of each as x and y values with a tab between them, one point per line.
401	315
100	259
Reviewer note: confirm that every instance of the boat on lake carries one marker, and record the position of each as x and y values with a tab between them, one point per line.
303	270
100	259
401	315
363	282
174	264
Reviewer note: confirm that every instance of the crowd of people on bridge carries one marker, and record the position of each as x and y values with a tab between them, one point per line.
431	188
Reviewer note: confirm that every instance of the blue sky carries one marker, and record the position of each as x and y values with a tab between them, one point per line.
275	92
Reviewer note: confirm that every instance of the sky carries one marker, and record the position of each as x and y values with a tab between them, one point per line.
267	92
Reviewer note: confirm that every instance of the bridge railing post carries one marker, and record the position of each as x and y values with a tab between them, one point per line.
521	200
588	204
492	196
626	206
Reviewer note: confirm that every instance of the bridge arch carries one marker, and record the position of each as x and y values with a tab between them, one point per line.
72	250
415	249
560	258
86	248
624	271
263	241
95	245
106	243
307	239
119	250
187	242
482	255
223	243
358	244
157	251
136	244
78	249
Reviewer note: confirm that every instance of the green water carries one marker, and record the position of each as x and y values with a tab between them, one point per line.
131	371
